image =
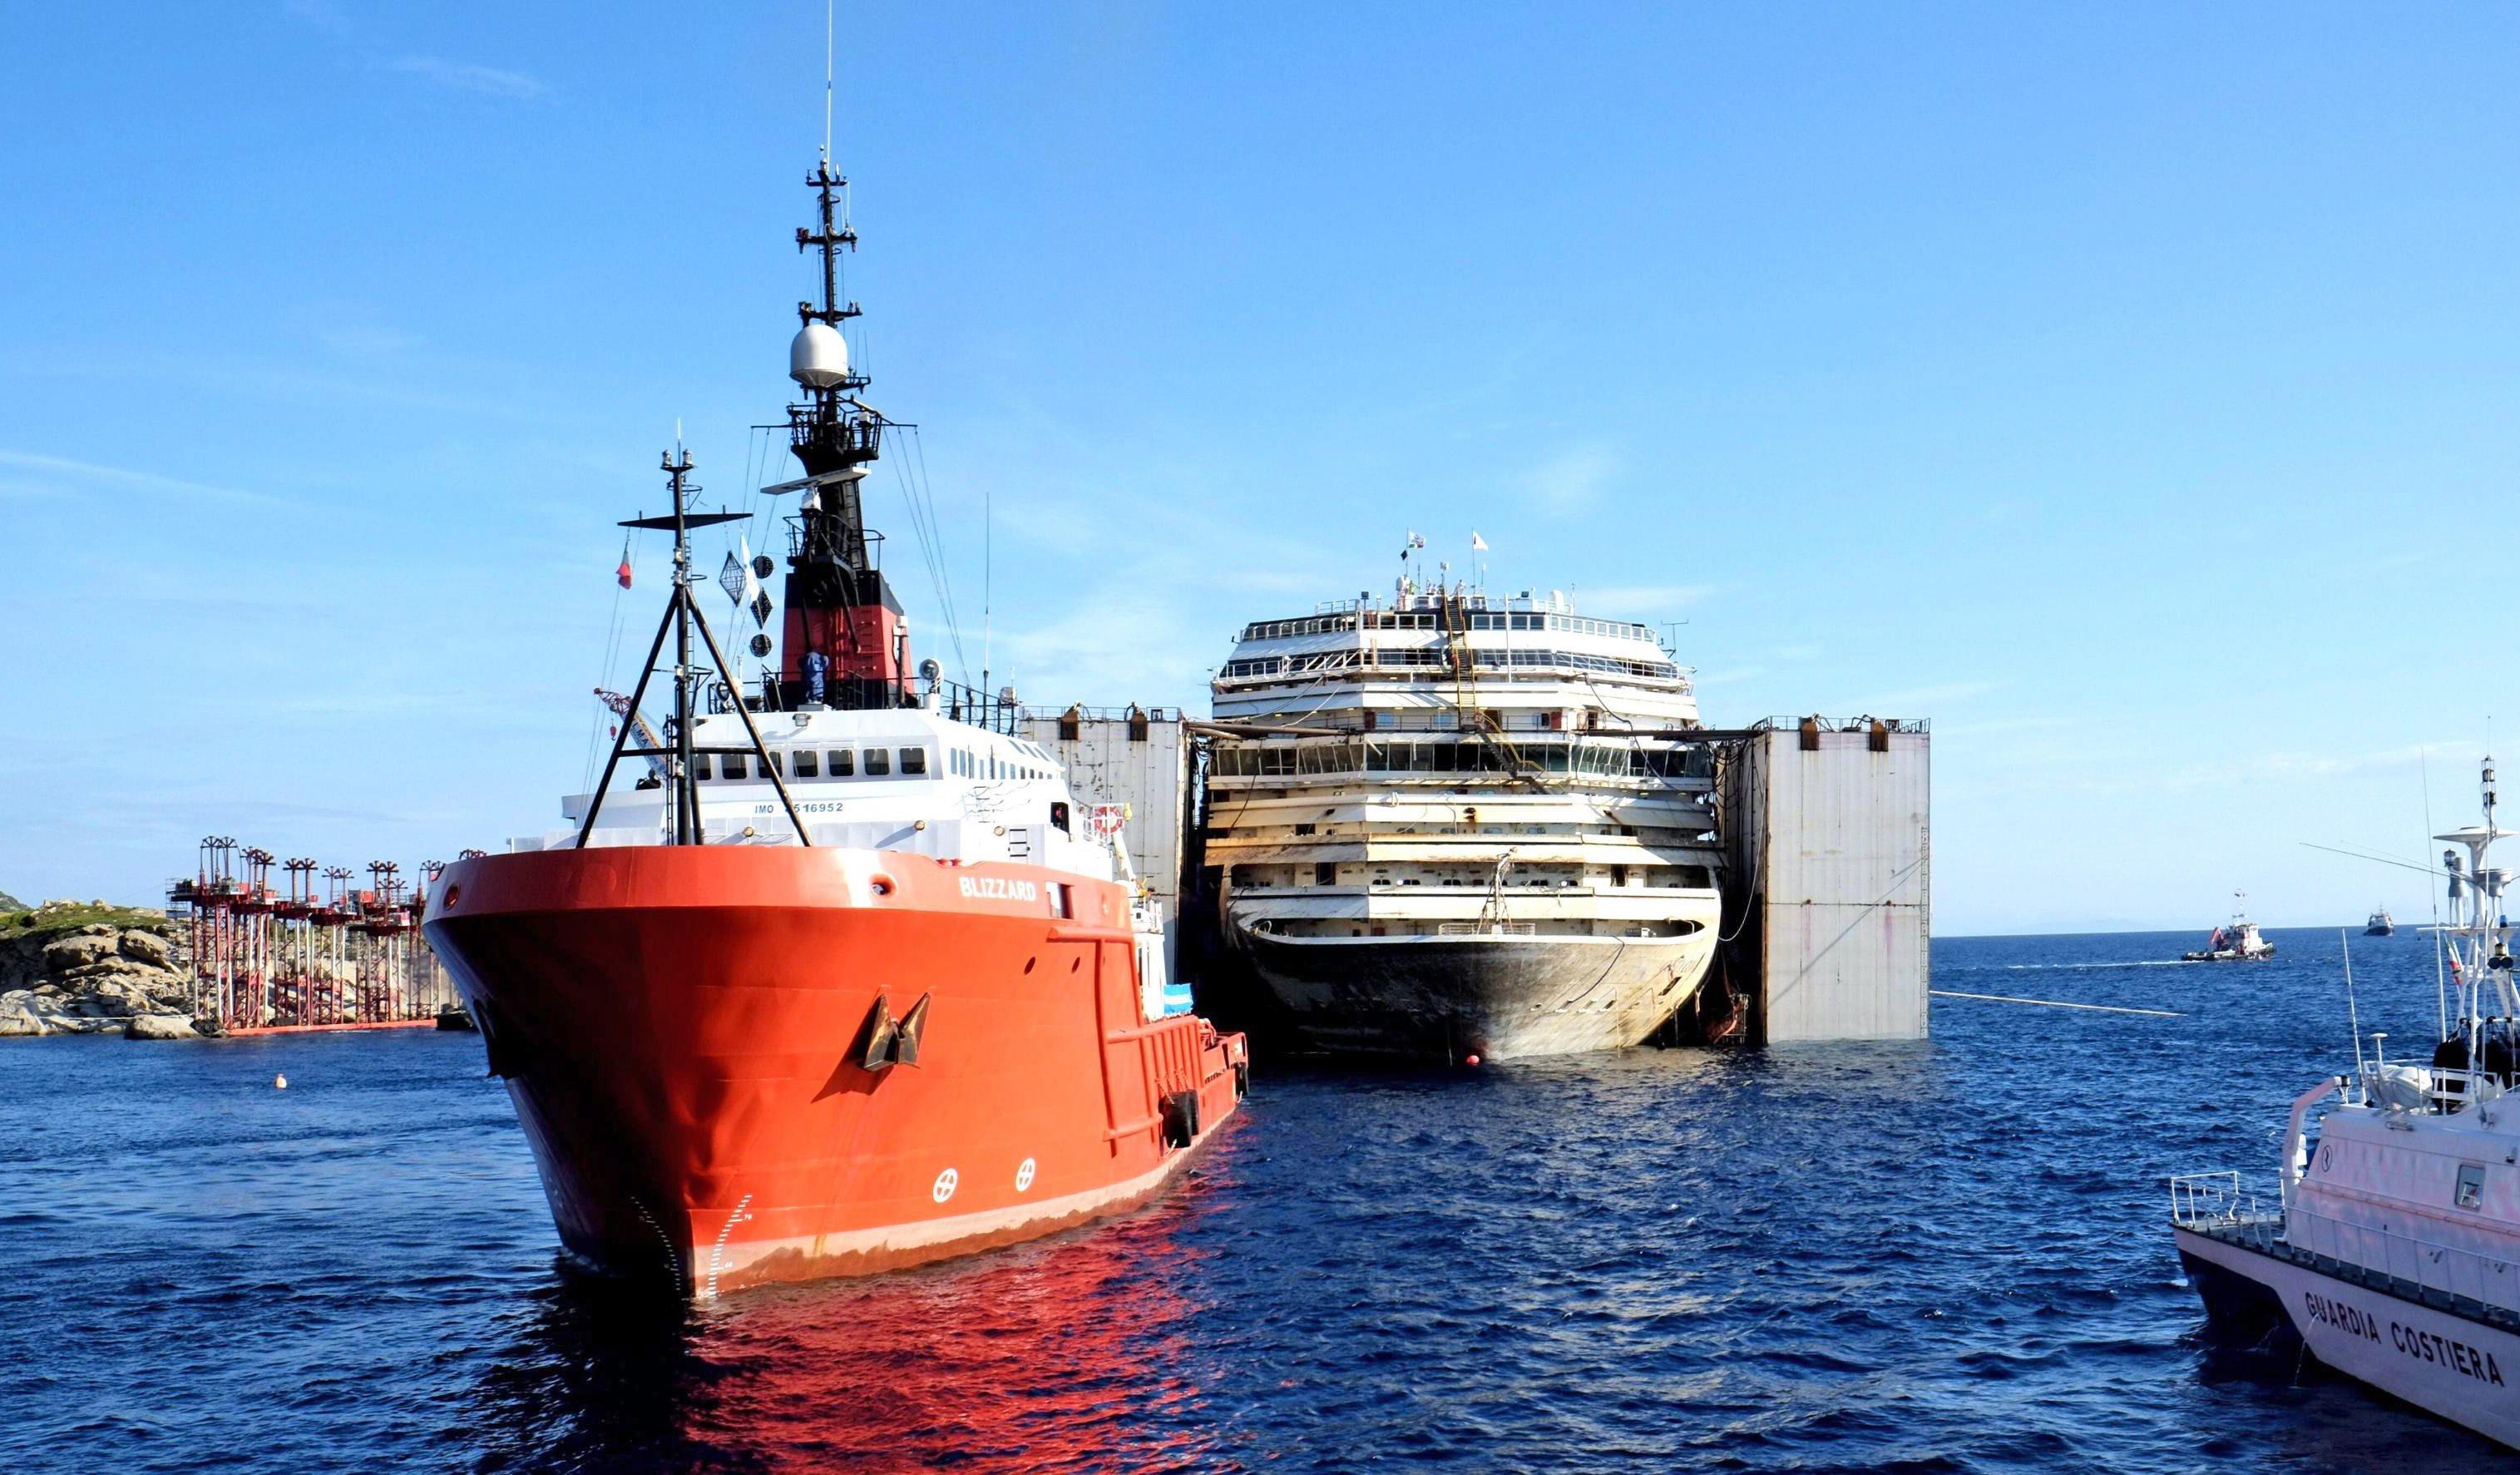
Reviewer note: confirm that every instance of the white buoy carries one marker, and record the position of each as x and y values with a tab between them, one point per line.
280	1082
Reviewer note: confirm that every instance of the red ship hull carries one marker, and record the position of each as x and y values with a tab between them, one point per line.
685	1033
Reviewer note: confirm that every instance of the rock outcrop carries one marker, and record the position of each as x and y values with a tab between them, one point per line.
75	968
160	1026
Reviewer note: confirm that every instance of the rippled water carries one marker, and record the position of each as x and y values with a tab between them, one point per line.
1935	1257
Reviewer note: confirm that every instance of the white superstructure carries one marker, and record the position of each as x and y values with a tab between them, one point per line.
2393	1248
889	780
1456	823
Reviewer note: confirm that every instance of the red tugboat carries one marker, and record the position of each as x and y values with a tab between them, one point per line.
847	980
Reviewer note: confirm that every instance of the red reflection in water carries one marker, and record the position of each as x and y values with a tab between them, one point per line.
1086	1351
1083	1352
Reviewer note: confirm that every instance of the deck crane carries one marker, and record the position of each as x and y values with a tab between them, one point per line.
621	706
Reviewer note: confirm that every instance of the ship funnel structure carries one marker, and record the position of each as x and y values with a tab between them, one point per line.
819	357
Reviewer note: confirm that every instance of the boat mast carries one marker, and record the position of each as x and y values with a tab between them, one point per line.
683	616
846	642
687	796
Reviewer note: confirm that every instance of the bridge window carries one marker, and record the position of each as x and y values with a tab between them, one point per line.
729	766
845	763
699	766
809	764
914	763
879	762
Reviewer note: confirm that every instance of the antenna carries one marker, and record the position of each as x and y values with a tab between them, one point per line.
2353	1021
2432	896
988	572
827	79
683	618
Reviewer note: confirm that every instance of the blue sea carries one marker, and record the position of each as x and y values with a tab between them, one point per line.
1941	1256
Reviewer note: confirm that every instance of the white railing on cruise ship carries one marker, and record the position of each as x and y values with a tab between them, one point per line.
2488	1280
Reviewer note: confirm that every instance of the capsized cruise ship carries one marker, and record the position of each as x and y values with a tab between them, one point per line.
1457	824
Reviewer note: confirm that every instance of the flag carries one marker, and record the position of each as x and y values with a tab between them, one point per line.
623	572
752	593
1478	543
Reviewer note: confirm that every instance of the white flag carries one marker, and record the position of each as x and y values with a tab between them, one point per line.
752	581
1478	543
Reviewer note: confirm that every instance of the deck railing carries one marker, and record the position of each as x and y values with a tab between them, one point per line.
2215	1201
2488	1280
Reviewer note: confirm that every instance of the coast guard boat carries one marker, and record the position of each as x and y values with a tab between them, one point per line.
2392	1249
846	980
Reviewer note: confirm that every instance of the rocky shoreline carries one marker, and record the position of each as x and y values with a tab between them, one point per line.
89	968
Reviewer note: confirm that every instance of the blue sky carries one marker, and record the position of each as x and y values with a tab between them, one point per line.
2127	391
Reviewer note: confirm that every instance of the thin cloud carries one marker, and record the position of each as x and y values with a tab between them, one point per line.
54	470
1574	479
2287	766
1913	701
1626	601
465	76
319	14
365	341
1995	725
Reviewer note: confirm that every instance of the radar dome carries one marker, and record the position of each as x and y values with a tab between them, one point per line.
819	358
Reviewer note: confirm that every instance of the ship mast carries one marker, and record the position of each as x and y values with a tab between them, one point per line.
845	641
2479	949
683	618
831	432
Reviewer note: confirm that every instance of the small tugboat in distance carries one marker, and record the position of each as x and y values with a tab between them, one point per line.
2236	942
2381	925
2392	1252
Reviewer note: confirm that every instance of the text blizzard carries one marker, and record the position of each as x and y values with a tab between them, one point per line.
1000	888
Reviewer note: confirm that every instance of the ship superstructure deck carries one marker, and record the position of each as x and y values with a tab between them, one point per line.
1464	824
